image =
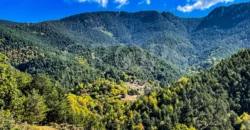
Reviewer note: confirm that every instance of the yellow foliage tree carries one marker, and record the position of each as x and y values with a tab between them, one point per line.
183	80
244	121
182	127
139	127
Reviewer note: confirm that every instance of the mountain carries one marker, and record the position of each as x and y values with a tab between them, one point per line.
184	42
217	98
226	17
212	99
71	63
121	70
224	30
177	40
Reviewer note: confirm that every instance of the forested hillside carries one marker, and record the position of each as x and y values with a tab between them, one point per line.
146	70
31	54
212	99
183	42
217	98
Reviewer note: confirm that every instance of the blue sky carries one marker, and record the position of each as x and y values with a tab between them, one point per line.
42	10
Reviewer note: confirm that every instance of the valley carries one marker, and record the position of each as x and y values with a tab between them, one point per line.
145	70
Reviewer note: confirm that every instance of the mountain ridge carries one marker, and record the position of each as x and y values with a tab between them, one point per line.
165	36
114	70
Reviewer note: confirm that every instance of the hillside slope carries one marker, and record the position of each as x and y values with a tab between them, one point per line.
78	71
217	98
184	42
209	100
178	45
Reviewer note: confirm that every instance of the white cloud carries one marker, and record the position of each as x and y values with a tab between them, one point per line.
103	3
145	1
121	2
201	5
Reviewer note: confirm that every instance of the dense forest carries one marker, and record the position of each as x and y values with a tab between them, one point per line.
217	98
147	70
183	42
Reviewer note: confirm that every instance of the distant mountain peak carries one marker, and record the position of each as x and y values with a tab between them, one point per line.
226	16
148	16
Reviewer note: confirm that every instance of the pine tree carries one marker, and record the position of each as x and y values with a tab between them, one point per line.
35	108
